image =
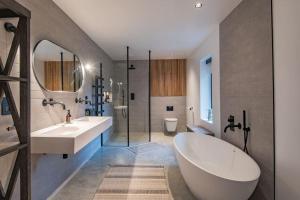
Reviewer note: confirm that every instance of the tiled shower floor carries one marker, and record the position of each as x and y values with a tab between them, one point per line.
85	183
120	139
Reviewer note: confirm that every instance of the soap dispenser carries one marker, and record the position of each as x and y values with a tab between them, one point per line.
68	117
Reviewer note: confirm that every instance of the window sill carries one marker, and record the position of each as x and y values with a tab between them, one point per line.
207	121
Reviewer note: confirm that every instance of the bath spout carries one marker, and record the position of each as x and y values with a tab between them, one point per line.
231	124
225	129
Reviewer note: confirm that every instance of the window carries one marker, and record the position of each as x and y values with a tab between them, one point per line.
206	77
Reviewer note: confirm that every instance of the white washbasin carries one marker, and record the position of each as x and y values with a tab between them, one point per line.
69	138
61	130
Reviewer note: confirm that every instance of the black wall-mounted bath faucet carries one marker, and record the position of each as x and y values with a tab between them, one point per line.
246	128
231	124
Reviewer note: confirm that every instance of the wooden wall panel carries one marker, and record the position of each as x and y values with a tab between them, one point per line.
68	76
168	77
53	76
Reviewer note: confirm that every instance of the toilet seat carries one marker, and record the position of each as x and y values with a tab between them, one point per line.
171	119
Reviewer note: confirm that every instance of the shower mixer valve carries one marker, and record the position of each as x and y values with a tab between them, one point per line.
246	129
231	124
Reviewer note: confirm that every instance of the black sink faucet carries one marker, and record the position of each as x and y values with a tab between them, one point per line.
52	102
231	124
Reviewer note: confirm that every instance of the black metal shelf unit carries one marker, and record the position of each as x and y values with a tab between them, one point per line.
21	40
98	95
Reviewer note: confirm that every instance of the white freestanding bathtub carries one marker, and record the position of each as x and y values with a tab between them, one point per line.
214	169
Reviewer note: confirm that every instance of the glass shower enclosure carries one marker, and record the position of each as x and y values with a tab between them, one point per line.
130	103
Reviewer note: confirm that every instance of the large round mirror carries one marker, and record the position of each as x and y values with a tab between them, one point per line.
55	68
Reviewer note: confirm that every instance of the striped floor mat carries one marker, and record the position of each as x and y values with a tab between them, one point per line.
134	183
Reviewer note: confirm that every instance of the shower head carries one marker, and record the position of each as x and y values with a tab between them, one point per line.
111	82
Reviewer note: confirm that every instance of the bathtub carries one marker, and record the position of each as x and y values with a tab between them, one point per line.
214	169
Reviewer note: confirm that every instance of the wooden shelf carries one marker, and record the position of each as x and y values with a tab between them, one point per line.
97	86
11	78
98	95
98	104
10	147
11	9
21	40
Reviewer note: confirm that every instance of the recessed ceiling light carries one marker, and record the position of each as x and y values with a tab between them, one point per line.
198	5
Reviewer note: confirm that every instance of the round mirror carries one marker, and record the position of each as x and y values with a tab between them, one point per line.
55	68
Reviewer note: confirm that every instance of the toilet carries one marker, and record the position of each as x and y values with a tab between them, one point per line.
171	124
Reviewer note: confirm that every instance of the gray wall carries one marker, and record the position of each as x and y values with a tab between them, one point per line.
159	113
139	117
246	83
287	97
51	23
139	84
138	108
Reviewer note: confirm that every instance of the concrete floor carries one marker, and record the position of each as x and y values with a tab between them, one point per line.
120	139
84	184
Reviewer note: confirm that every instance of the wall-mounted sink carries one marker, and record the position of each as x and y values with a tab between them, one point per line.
61	130
69	138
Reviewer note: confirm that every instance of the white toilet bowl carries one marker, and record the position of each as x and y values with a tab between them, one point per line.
171	124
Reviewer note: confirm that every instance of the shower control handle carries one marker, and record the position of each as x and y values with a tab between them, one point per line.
231	124
231	119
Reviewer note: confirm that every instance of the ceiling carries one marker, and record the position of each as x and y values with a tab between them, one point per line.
170	28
